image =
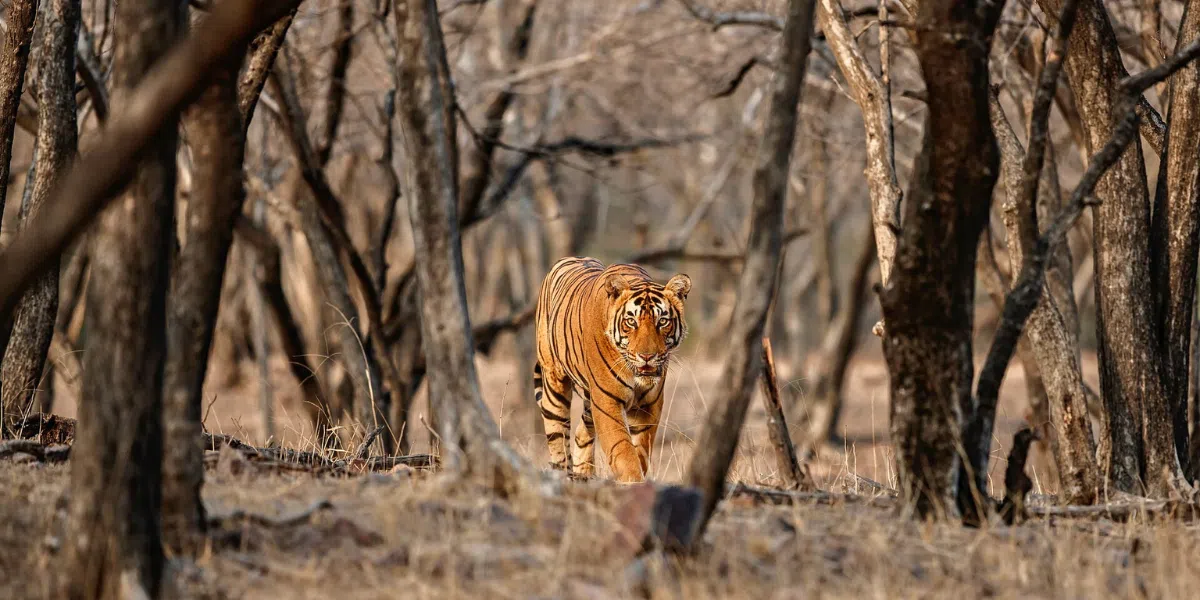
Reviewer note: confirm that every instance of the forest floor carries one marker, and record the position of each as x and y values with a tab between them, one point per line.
414	534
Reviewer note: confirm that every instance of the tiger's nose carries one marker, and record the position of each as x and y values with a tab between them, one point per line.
646	357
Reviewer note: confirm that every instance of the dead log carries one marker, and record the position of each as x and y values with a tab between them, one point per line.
794	477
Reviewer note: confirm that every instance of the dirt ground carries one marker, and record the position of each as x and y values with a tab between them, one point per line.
414	535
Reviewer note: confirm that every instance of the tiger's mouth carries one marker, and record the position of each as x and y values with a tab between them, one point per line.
648	371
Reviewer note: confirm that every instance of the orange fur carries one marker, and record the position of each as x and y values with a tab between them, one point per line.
608	333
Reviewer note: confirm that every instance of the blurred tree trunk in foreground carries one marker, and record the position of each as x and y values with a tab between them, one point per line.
116	464
214	132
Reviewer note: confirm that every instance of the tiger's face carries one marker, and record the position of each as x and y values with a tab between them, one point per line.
646	322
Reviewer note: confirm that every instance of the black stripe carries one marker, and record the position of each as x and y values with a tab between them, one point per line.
556	436
546	414
635	429
607	365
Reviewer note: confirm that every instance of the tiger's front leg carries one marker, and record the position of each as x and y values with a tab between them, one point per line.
643	426
554	399
626	462
583	453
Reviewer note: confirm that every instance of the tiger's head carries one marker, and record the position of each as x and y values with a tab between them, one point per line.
645	321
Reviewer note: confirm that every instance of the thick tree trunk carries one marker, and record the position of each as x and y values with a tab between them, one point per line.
1143	448
214	132
759	280
928	305
36	312
1175	232
425	107
117	459
1053	345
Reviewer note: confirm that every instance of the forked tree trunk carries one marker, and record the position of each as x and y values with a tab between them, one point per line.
1175	233
759	280
117	457
928	304
35	315
425	107
1143	448
214	131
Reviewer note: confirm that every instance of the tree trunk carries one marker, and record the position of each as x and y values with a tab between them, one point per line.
425	107
117	459
36	312
928	305
1143	448
214	132
260	57
14	58
719	436
1053	345
1175	232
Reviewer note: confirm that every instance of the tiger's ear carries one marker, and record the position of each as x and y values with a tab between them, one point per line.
680	285
614	284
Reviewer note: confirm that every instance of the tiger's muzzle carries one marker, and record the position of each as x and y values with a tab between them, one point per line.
649	365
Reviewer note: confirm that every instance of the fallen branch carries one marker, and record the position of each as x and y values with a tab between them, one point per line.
297	460
50	453
794	477
239	516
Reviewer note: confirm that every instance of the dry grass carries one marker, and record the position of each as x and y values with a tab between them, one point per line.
424	536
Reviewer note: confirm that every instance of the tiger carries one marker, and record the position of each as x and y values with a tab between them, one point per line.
608	333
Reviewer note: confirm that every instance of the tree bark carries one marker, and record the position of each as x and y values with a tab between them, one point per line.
214	131
928	305
117	462
36	312
1175	233
425	107
759	280
1143	448
14	58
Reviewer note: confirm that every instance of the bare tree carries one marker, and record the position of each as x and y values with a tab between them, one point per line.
35	315
116	470
425	107
759	278
928	303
